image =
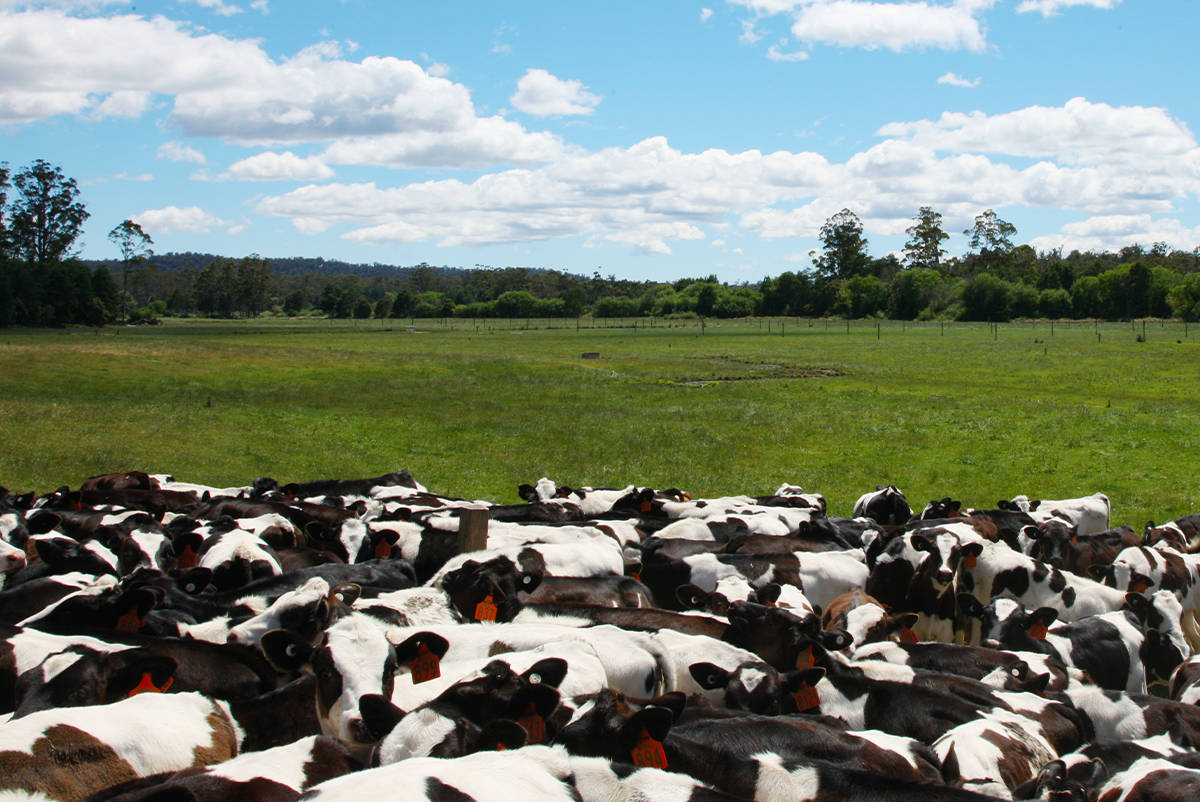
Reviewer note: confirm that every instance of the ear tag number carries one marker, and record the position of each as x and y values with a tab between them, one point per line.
805	659
807	698
486	610
908	636
384	549
534	725
187	560
1038	632
970	561
649	753
147	685
425	666
131	622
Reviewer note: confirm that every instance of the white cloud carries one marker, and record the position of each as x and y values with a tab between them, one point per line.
172	220
749	36
52	63
543	95
178	152
894	26
218	7
285	166
438	70
1051	7
1113	232
774	54
957	80
705	14
1078	132
502	49
127	177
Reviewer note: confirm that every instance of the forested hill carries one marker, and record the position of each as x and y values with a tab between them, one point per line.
293	266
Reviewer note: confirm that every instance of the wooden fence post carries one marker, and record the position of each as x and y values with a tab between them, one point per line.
472	530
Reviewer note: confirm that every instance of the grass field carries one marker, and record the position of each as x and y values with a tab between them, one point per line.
737	407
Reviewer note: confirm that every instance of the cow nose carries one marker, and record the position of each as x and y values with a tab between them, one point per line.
1056	562
991	643
945	576
16	561
359	731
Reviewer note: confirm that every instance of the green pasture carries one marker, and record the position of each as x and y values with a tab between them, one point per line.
475	408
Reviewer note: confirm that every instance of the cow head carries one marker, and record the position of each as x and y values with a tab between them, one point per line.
1006	624
82	676
754	687
609	724
777	635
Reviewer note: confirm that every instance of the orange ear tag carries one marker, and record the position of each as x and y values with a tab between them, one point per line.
649	753
769	604
1140	587
805	659
807	698
187	560
970	561
147	685
534	725
130	622
647	506
1038	631
908	636
486	610
425	666
384	549
636	576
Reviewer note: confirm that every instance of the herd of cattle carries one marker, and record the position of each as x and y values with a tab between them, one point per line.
170	642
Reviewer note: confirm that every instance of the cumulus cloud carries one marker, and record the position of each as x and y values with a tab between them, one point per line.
178	152
955	79
1050	7
285	166
219	7
705	14
1116	231
52	63
172	220
1077	132
774	54
894	26
543	95
650	194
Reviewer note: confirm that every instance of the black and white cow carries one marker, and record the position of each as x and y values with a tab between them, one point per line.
886	506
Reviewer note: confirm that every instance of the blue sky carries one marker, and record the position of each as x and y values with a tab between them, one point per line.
643	140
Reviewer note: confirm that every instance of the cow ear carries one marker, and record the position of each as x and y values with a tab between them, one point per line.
42	522
1044	616
768	594
408	650
675	701
1099	774
921	543
551	671
972	550
500	735
286	650
54	550
1099	572
528	493
544	699
794	680
836	639
656	721
1037	684
970	605
194	581
708	676
1138	605
905	621
379	715
346	594
529	581
692	597
150	673
950	770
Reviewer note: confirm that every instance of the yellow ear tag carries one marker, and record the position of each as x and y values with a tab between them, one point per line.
805	659
649	753
534	725
425	666
130	622
486	610
807	698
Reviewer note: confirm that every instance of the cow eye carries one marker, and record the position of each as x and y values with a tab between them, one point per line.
78	697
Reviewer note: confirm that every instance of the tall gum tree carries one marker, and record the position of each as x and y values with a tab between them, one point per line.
134	245
46	216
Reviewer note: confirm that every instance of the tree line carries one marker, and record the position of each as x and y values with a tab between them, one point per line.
44	283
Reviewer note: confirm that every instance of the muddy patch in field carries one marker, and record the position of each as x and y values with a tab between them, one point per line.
751	371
